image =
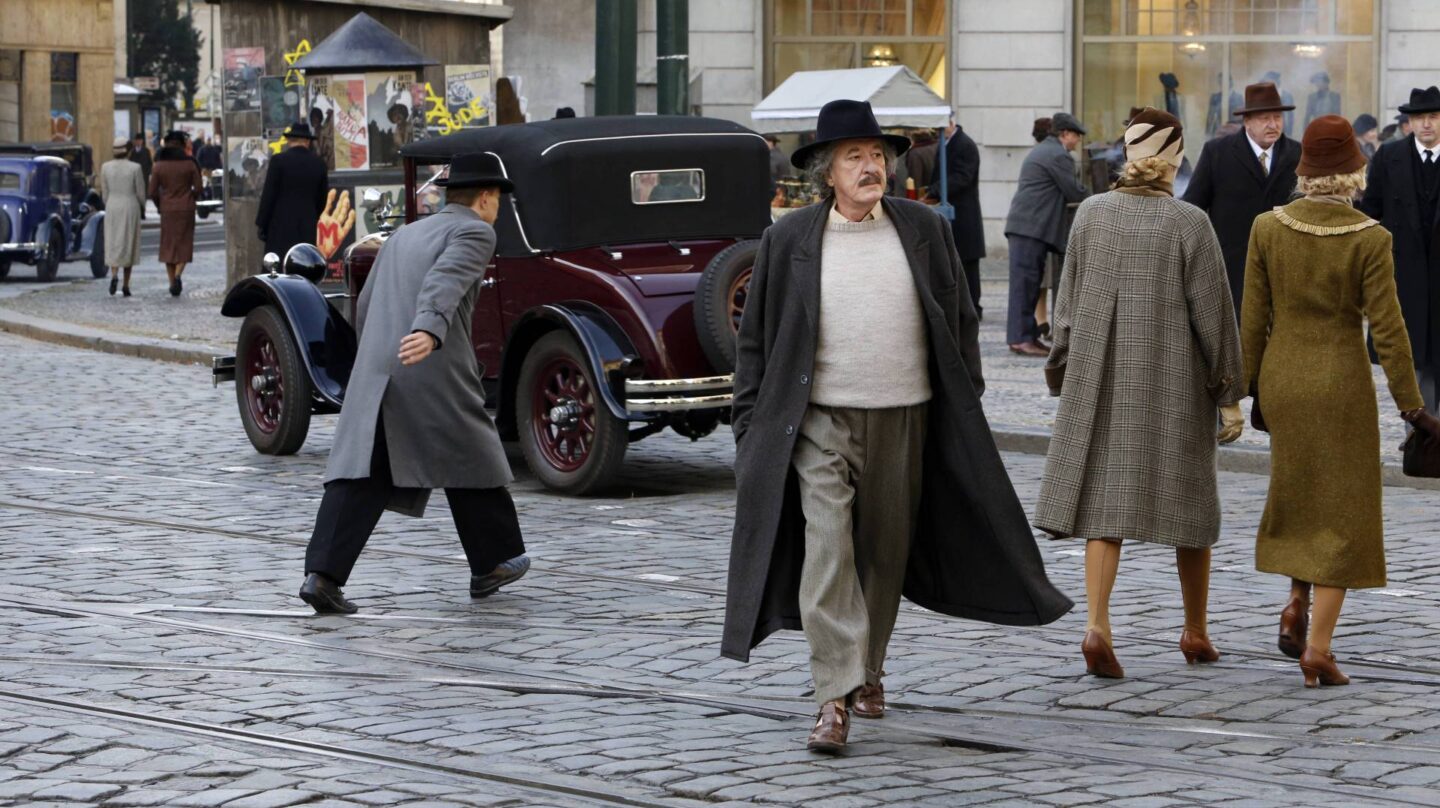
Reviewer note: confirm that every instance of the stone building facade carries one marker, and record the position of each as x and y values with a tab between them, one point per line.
57	68
1003	63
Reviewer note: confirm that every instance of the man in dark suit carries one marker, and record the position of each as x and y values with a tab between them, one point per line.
1403	192
1241	176
962	170
294	194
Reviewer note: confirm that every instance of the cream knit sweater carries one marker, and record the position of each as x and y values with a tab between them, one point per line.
873	348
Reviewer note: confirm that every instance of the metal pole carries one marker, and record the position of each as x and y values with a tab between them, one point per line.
615	35
672	56
945	209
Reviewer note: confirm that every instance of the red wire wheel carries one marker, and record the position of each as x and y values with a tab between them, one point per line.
569	436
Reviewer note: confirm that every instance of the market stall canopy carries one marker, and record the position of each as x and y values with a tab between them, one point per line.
362	44
899	97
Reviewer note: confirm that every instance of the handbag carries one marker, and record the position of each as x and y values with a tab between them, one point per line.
1421	452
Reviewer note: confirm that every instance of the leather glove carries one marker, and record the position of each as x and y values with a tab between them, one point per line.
1232	423
1420	419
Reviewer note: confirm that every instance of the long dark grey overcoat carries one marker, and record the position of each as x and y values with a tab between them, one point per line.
1393	196
437	431
962	168
293	198
973	554
1233	189
1047	185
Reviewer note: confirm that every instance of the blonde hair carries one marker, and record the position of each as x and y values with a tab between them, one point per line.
1332	184
1146	169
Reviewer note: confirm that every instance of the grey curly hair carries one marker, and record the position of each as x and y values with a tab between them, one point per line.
817	167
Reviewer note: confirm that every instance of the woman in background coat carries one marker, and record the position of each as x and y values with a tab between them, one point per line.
1146	329
1317	270
122	187
175	184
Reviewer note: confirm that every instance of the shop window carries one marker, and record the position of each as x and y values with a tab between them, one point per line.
840	34
9	95
64	109
1195	57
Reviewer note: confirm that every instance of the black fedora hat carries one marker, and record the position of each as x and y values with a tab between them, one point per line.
299	130
1422	101
476	170
846	120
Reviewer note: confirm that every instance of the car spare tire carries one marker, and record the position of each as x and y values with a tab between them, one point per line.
720	300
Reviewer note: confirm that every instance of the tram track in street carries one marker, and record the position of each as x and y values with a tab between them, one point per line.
775	708
531	785
1407	673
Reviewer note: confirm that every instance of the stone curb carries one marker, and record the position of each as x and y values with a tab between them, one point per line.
78	336
1024	440
1243	460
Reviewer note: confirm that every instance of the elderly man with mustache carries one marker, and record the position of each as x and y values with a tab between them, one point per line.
864	464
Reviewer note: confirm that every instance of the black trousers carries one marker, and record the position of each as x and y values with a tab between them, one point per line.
484	517
972	280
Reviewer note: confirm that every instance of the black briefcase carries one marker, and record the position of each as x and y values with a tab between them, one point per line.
1422	454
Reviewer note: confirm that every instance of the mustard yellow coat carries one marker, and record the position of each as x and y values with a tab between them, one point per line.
1315	271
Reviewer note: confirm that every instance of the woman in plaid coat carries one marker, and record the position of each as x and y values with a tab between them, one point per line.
1147	352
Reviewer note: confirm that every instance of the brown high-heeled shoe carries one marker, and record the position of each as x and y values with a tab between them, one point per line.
1100	657
1197	648
1294	628
1320	669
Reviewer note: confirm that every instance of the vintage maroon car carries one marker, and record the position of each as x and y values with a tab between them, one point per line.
609	312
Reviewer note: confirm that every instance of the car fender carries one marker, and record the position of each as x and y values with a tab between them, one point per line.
89	231
42	233
607	349
327	340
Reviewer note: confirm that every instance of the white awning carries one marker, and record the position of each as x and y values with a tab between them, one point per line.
126	91
898	96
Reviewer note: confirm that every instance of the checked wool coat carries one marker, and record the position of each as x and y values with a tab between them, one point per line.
973	554
1146	330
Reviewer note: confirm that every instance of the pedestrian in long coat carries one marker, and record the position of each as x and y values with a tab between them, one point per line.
1146	357
858	350
1244	174
1403	193
296	183
140	156
1318	270
1036	225
962	170
122	189
175	185
414	417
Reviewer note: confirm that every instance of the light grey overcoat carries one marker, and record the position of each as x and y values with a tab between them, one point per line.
437	431
122	187
1146	330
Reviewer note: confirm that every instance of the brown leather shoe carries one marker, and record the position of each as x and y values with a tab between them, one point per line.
1197	648
869	701
1294	628
1100	657
832	727
1320	669
1031	348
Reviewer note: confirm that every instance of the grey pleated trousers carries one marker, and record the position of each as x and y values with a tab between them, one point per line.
859	472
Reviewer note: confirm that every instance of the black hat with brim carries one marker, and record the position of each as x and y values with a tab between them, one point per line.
846	120
1422	101
299	130
175	136
477	170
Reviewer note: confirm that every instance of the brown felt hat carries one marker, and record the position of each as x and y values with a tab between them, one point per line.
1329	148
1263	97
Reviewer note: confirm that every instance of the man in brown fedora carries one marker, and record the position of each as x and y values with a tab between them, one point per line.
864	465
1403	192
1241	176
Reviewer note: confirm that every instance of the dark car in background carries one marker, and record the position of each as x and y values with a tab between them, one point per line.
609	312
48	211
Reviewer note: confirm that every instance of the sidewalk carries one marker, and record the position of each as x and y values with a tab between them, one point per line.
189	329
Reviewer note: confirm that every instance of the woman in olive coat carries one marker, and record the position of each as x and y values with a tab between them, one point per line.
1146	328
1317	269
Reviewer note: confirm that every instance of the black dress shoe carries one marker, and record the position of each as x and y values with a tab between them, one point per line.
483	586
114	284
175	288
324	596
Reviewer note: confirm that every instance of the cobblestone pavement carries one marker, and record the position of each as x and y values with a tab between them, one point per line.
155	654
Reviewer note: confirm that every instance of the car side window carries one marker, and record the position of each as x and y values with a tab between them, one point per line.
57	182
672	185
